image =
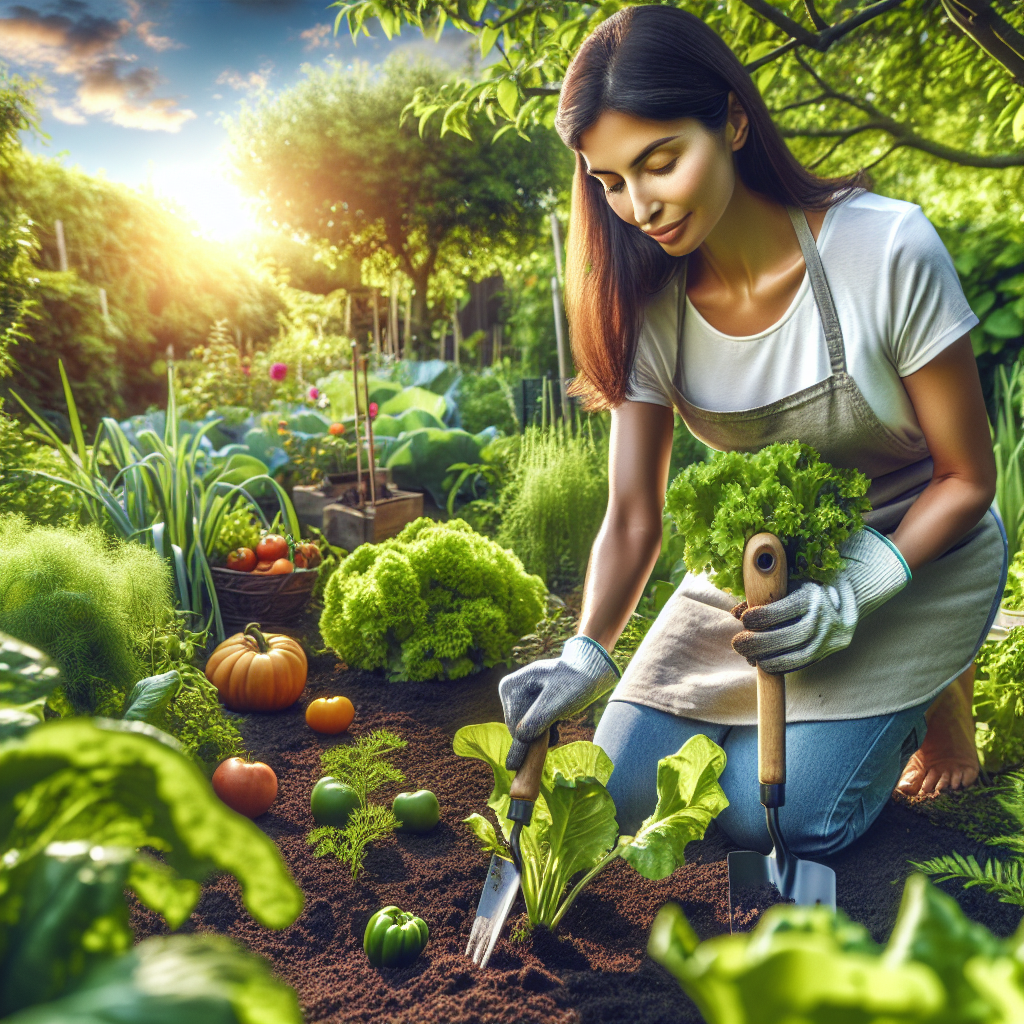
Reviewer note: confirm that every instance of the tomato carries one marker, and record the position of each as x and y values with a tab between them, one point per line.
330	714
275	568
332	802
271	548
311	553
242	560
300	560
418	812
249	787
336	429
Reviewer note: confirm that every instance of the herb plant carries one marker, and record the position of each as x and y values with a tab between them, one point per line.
999	701
437	601
785	489
364	766
808	964
573	830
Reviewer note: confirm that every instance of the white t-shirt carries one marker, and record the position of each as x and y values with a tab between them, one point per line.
899	303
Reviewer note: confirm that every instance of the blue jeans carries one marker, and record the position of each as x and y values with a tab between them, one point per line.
839	774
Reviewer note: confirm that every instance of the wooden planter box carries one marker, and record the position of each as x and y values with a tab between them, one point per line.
349	527
310	500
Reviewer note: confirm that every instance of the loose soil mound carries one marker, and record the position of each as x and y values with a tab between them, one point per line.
594	971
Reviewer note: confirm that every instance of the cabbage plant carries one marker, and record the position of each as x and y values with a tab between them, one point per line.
574	829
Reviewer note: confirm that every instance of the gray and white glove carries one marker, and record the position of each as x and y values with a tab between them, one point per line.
815	620
537	695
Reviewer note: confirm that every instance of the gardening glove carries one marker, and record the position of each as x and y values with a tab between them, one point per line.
535	696
815	619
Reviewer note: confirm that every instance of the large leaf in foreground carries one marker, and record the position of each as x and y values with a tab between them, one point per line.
689	796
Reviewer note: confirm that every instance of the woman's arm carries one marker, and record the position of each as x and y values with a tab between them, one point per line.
946	395
629	541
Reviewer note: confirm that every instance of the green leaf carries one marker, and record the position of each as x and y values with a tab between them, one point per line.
484	832
508	96
689	796
1004	323
150	697
162	890
1018	124
488	37
26	674
201	979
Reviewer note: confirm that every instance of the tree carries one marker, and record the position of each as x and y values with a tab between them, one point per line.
331	159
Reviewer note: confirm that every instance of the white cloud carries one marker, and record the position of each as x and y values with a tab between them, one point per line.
317	36
144	30
85	47
255	81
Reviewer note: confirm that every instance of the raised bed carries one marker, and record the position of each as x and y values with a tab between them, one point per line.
595	971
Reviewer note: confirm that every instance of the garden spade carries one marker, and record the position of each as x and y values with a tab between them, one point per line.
503	875
800	881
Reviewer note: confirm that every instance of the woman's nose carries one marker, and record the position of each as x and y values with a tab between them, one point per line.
645	209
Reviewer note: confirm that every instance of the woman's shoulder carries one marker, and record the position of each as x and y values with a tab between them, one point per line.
870	219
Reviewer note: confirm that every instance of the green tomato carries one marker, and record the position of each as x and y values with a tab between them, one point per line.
332	802
418	812
394	938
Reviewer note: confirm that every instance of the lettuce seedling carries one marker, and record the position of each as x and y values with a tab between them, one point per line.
999	701
808	964
574	828
785	489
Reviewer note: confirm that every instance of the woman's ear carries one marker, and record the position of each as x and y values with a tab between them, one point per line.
738	121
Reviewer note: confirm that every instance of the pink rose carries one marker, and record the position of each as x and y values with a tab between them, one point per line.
278	371
247	370
373	410
314	394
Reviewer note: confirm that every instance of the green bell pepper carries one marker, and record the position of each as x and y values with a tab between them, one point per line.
394	938
332	802
418	812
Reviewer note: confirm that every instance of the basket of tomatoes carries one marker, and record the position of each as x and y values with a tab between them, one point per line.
270	585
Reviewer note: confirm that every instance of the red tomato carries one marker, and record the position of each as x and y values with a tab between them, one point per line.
272	547
247	787
300	560
242	560
336	429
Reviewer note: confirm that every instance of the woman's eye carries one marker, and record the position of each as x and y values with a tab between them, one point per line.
612	190
665	169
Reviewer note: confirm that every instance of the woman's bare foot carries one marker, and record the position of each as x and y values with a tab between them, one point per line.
948	758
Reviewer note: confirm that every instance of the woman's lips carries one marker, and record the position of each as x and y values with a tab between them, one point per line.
670	234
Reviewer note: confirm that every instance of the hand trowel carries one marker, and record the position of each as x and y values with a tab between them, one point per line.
503	875
765	578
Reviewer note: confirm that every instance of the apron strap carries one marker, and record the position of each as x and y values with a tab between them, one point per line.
822	294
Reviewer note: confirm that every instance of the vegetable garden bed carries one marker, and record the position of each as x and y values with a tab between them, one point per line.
595	970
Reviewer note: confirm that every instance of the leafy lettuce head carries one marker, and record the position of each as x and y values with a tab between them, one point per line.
785	489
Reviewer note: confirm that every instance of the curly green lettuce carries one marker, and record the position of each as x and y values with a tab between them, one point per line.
785	489
439	601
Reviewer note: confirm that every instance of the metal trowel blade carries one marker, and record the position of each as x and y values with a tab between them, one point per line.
812	883
496	901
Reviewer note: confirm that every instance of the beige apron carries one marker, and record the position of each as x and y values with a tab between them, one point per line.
904	653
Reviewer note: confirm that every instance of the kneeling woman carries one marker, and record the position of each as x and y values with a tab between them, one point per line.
709	272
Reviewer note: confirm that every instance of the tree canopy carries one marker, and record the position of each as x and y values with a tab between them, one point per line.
330	159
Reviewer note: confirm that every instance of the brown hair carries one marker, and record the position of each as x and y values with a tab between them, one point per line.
662	64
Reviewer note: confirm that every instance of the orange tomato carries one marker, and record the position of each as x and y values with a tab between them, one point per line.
272	547
336	429
330	714
276	568
247	787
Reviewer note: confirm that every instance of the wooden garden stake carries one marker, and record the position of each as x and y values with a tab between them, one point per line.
369	434
355	392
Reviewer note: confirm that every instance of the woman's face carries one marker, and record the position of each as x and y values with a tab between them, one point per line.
672	179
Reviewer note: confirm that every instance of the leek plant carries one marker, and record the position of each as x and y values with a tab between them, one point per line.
160	497
1008	446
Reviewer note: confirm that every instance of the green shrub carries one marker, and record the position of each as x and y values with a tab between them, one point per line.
437	601
785	489
487	400
85	600
999	701
553	505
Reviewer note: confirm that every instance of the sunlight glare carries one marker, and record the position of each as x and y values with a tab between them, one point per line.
216	205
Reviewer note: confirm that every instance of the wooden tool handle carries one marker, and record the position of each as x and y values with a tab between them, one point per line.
526	784
765	579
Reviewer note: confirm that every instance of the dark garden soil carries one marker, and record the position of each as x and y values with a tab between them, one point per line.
594	971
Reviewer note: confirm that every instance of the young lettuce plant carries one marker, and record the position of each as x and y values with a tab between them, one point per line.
574	828
808	964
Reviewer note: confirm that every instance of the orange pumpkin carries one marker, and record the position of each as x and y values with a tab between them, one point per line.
253	672
330	714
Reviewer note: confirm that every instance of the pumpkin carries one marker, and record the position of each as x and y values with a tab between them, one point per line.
249	787
330	714
253	672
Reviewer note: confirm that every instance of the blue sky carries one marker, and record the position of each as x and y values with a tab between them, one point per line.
137	89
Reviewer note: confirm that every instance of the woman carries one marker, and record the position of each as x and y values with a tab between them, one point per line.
708	271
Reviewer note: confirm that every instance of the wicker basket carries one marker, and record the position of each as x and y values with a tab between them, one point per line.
271	601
